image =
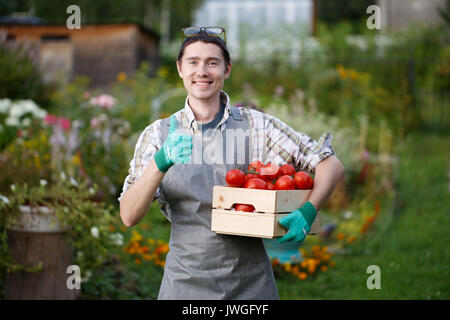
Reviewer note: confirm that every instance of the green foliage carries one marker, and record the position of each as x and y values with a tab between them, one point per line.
75	207
19	76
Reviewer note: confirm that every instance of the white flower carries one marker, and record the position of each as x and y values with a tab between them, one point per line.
63	176
348	215
94	232
4	199
43	182
26	122
13	187
73	181
117	239
12	121
5	104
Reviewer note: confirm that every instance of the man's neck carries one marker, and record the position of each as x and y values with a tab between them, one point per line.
205	110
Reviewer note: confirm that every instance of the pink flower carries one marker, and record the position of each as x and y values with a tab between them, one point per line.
86	95
64	123
103	101
94	122
279	90
50	119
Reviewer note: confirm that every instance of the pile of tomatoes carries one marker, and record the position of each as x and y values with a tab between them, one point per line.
268	176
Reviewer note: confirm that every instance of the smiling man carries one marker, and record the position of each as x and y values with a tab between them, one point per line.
202	264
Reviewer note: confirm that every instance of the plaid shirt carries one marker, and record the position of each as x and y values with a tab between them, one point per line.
275	142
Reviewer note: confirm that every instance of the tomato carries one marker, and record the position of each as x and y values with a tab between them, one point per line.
255	183
253	175
235	178
270	185
287	170
303	181
255	166
244	207
285	183
271	171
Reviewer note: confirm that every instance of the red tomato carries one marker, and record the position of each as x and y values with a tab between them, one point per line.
253	175
244	207
235	178
271	171
303	181
285	183
287	170
270	185
255	166
255	183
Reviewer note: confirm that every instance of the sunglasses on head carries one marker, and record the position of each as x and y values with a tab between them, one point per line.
210	31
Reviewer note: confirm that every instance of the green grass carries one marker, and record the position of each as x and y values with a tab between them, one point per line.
412	251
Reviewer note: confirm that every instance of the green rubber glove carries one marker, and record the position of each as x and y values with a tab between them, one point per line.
176	149
298	223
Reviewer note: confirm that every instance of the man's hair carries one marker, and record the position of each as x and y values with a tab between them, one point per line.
203	37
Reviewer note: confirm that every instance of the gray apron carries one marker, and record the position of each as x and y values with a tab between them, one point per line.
200	263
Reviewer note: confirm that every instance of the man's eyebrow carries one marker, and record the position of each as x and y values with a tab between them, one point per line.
198	58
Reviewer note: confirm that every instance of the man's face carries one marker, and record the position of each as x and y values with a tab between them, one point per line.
203	70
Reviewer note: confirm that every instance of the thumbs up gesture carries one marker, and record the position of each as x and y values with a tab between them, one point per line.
176	149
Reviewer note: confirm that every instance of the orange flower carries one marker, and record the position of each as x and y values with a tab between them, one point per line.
311	269
351	239
365	227
144	249
340	236
159	262
112	228
137	261
303	275
323	268
121	77
295	270
163	248
147	257
304	264
275	262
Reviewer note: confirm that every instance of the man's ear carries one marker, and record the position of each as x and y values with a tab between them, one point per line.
179	69
228	71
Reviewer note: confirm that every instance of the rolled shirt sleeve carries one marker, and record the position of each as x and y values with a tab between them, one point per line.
281	144
149	142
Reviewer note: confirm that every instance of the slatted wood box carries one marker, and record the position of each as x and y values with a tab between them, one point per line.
270	206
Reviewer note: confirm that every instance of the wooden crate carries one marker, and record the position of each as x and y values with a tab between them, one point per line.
270	206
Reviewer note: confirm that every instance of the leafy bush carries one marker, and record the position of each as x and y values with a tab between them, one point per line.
19	76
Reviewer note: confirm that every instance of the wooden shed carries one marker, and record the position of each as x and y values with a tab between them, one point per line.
99	52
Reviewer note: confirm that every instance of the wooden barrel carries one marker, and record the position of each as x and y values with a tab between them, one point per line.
38	237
